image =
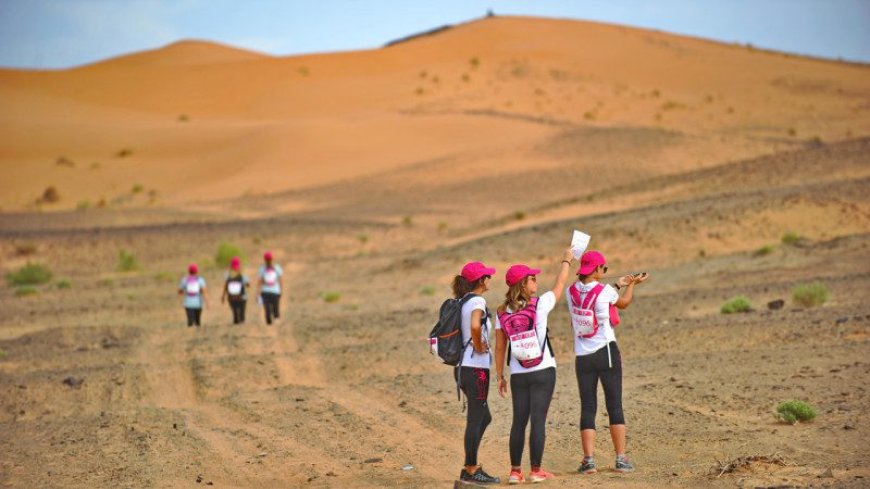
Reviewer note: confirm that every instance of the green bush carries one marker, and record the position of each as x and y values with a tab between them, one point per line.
26	290
330	296
127	261
137	188
427	290
29	274
810	295
764	250
790	238
793	411
225	253
736	304
2	354
64	284
363	238
519	215
408	221
164	277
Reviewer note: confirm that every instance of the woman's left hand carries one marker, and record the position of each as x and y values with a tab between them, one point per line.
502	387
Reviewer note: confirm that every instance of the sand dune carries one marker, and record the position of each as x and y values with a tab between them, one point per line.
202	121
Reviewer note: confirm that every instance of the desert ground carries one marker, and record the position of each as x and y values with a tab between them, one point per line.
373	176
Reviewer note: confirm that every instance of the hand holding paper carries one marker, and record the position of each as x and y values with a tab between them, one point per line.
579	242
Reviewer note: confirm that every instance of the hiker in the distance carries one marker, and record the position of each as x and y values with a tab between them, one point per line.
192	287
235	290
473	374
594	313
523	330
270	285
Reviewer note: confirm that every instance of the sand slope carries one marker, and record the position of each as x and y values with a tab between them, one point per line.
199	121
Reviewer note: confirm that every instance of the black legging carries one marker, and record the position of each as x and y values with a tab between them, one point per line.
475	385
193	316
589	369
238	308
531	393
270	304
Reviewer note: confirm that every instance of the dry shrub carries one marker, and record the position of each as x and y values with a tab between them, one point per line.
739	463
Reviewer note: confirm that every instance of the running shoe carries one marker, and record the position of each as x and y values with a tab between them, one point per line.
540	475
587	466
623	465
516	477
479	477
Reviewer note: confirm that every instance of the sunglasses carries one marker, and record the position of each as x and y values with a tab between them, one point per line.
604	270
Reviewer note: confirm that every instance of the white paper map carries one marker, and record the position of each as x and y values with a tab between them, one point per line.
579	242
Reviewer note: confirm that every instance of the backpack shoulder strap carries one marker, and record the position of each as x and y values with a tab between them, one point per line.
592	296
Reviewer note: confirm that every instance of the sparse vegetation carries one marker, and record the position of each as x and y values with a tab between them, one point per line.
127	261
138	188
64	161
702	253
790	238
124	152
95	165
466	77
793	411
792	132
83	205
427	290
330	296
671	105
105	282
764	250
519	215
49	196
183	118
442	226
164	277
363	238
736	304
225	253
29	274
303	70
25	249
810	295
656	93
474	62
26	291
64	284
408	221
423	74
589	116
2	353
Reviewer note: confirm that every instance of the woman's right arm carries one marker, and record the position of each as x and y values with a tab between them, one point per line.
564	268
500	352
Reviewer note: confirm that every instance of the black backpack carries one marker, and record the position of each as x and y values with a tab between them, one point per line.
447	332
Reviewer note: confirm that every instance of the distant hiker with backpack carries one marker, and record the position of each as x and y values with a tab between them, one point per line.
235	290
270	285
461	339
192	287
523	332
594	313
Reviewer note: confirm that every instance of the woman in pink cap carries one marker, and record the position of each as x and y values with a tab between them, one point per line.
192	287
270	285
472	376
522	326
593	308
235	290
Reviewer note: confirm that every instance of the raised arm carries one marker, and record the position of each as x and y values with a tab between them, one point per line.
564	269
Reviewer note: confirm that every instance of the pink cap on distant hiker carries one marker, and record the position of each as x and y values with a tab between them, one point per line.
192	268
518	272
590	261
474	270
267	256
236	263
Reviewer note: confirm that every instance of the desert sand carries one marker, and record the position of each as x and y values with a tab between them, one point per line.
373	176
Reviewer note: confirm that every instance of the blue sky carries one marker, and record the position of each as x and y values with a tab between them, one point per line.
50	34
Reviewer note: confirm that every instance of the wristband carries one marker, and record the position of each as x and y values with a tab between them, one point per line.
617	286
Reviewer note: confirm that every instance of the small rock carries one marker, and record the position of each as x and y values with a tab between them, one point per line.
262	454
22	386
403	403
373	460
73	382
331	474
174	426
842	320
407	467
199	479
775	305
312	478
828	474
299	399
209	483
848	427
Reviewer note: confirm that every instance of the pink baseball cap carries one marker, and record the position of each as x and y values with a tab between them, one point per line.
474	270
267	256
192	268
590	261
235	263
518	272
